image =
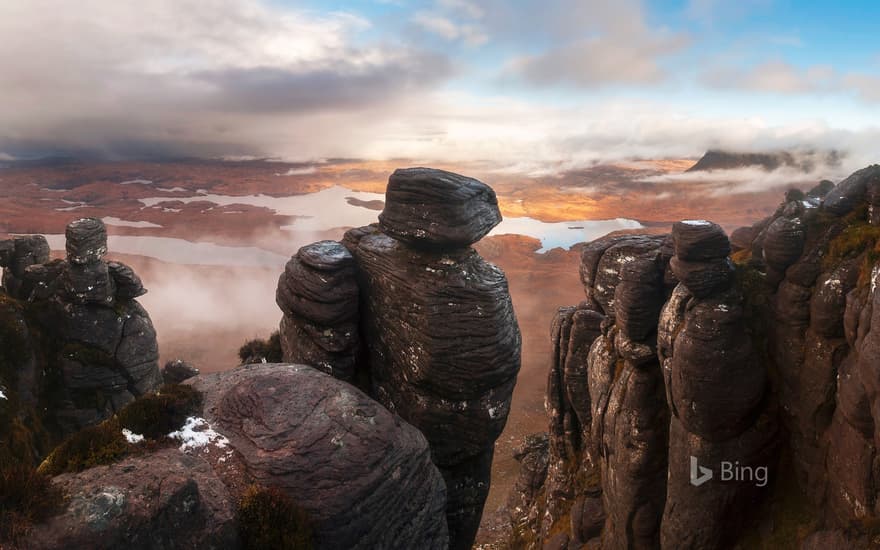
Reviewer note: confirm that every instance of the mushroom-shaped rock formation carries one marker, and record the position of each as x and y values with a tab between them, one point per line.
441	345
98	343
109	354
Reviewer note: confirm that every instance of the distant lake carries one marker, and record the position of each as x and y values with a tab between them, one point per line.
338	207
181	251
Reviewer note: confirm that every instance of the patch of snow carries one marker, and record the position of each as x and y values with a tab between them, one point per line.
132	437
130	182
170	189
696	222
3	395
110	220
197	433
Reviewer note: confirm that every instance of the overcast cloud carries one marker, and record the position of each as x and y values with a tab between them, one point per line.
443	79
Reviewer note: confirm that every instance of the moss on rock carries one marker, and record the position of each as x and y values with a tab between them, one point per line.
156	415
153	416
93	446
254	351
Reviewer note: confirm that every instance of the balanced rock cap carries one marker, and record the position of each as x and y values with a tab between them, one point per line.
86	241
699	240
435	209
326	256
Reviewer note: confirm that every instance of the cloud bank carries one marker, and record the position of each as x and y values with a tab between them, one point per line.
572	83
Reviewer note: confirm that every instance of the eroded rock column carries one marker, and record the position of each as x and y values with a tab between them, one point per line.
715	388
438	322
318	294
108	353
630	419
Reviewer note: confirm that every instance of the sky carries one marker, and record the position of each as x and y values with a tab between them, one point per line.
532	85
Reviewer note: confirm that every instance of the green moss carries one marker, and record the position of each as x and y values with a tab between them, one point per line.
156	415
93	446
858	240
253	351
751	283
851	242
26	497
268	518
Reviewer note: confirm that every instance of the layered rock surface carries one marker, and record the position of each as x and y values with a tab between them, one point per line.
715	386
434	209
766	360
376	486
318	294
362	477
441	345
83	346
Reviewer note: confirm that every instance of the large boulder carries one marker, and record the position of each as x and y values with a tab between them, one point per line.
363	476
435	209
783	242
603	261
699	240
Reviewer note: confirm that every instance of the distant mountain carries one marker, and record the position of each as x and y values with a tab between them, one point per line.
728	160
